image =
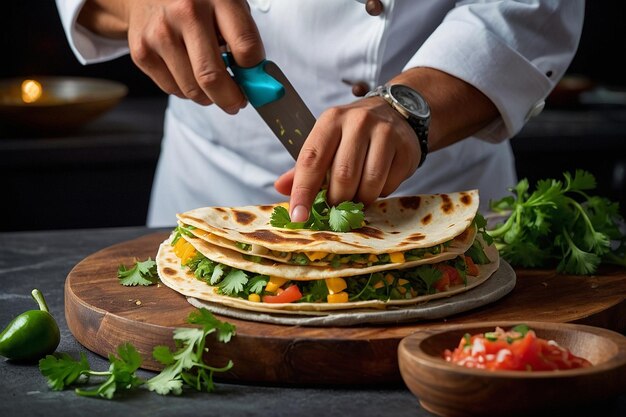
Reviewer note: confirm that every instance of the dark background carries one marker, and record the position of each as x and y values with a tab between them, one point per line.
101	174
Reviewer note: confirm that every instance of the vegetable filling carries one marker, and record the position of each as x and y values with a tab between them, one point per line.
384	285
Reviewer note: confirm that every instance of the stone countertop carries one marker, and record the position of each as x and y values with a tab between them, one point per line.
43	260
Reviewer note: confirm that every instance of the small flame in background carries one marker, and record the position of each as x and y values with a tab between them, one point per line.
31	91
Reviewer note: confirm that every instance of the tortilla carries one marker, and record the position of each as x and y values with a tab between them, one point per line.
392	225
381	263
292	272
184	282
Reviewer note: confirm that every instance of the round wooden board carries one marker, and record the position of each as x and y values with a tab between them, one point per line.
102	314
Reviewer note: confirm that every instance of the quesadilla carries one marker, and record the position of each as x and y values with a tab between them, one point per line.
409	250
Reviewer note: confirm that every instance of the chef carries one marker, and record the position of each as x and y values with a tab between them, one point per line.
410	96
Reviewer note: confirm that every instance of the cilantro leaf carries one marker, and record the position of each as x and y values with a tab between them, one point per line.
559	223
121	374
182	229
341	218
225	330
62	370
217	274
186	365
163	355
346	216
143	273
429	276
280	217
257	284
234	282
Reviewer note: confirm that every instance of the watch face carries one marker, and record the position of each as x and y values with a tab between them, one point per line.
410	100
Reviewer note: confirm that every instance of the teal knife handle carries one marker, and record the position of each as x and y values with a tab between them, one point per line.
259	87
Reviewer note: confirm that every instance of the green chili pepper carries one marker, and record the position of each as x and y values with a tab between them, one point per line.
31	335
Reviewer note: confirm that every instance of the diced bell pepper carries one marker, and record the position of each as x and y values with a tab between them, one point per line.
340	297
336	285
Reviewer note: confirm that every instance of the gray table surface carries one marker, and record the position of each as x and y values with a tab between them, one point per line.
43	260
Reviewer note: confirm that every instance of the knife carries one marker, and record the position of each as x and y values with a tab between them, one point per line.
271	94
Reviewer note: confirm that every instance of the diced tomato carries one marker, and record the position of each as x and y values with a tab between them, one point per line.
449	276
472	269
511	351
289	295
443	283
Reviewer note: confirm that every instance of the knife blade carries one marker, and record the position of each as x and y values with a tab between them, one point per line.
277	102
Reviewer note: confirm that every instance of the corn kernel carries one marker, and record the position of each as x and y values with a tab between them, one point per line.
372	258
255	298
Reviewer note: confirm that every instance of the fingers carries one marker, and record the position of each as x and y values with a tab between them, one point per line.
368	150
284	183
313	162
177	44
240	33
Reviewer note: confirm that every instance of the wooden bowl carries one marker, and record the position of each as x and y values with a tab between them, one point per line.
65	103
447	389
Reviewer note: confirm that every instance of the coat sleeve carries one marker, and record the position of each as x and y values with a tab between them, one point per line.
88	47
513	51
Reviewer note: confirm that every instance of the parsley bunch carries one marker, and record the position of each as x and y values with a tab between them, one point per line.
185	366
341	218
560	222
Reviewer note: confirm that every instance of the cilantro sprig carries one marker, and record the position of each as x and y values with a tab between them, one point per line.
184	367
344	217
559	222
143	273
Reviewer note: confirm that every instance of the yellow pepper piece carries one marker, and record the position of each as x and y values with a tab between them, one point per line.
372	258
340	297
255	298
397	257
180	246
315	256
275	283
189	253
336	285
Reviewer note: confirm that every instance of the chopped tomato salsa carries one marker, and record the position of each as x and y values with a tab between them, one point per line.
516	350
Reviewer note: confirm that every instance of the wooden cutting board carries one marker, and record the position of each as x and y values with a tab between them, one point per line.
102	314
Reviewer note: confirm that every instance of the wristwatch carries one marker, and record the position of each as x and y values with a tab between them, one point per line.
412	107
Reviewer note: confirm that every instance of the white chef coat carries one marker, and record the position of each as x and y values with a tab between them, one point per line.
512	51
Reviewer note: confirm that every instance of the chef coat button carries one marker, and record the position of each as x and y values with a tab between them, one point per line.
359	88
535	110
374	7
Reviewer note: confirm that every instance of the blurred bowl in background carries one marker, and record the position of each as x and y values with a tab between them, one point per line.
52	105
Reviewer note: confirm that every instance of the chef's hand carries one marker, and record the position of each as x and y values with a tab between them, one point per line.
178	43
367	148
